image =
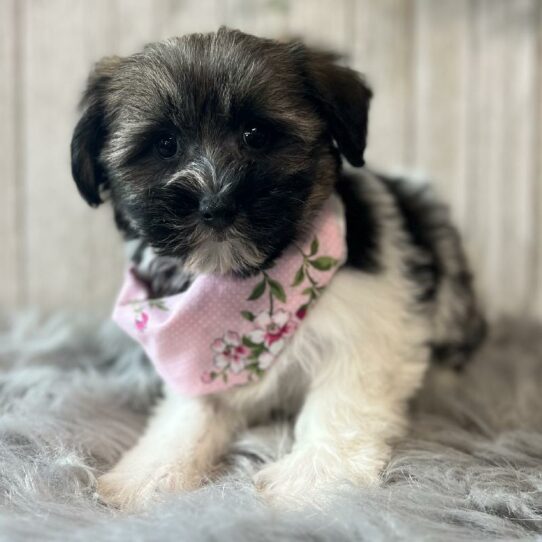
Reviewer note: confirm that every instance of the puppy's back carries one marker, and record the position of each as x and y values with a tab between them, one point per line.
443	272
433	258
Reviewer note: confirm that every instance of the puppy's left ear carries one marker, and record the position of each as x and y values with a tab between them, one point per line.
90	133
342	97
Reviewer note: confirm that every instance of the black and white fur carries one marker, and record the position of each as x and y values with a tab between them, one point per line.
165	132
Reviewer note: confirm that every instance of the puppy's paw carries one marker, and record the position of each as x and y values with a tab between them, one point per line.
133	490
310	476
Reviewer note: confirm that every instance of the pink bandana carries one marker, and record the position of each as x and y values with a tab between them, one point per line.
226	331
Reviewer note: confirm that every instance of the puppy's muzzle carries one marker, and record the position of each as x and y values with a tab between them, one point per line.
217	211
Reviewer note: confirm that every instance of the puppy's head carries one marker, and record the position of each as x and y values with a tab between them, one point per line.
218	148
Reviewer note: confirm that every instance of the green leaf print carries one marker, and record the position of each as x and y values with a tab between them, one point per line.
247	315
324	263
299	277
314	247
277	290
258	291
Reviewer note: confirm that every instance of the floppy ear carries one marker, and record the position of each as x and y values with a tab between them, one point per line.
343	99
90	133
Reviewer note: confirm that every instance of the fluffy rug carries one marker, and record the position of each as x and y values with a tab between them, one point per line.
74	394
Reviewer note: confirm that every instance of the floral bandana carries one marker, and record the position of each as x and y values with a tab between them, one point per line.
226	331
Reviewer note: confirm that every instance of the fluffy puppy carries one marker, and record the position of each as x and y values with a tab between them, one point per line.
217	150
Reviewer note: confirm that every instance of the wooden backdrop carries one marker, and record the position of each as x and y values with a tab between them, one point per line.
458	100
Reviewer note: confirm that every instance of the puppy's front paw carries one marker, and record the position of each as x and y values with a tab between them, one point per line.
135	489
309	476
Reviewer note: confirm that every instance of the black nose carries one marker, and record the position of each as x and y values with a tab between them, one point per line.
217	211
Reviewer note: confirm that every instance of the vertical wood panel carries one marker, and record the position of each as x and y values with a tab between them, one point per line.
476	212
518	161
441	93
499	210
64	265
458	96
261	17
56	233
102	249
535	308
135	23
382	47
485	142
9	271
175	18
322	22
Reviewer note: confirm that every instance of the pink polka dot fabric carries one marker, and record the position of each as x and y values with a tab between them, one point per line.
227	331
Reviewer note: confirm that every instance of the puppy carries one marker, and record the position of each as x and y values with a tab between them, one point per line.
217	151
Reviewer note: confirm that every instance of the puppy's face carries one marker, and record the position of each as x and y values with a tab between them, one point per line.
218	148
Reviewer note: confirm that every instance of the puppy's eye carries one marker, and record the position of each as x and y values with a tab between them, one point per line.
256	136
166	146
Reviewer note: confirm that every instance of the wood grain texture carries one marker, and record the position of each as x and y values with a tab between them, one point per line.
535	305
325	23
11	275
516	213
260	17
174	18
441	96
502	180
458	100
67	244
381	38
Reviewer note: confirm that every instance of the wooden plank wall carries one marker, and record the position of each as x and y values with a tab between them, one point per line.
10	274
458	88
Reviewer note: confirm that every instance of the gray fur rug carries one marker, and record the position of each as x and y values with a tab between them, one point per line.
74	394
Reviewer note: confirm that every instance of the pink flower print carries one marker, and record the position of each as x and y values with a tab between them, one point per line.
141	321
231	337
273	329
237	365
218	345
230	352
301	312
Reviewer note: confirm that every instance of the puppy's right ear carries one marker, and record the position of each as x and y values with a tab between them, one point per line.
90	133
342	97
